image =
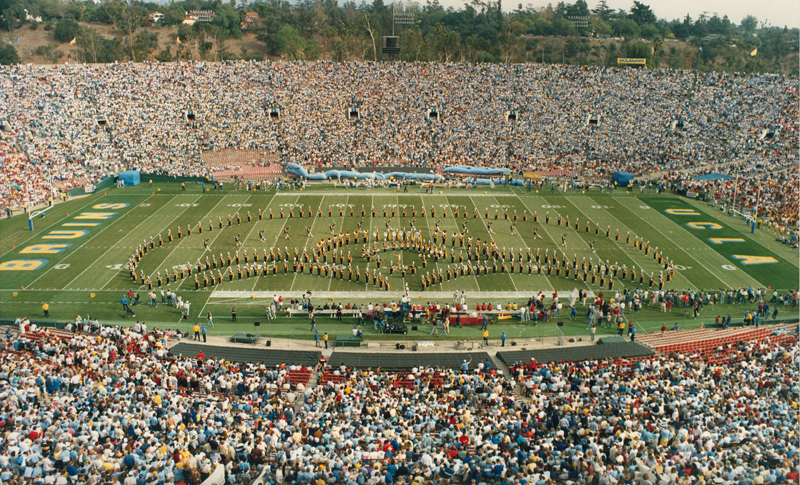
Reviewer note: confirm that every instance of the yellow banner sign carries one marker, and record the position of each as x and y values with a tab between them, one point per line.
632	60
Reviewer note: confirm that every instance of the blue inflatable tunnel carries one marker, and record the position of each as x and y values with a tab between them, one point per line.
623	179
131	178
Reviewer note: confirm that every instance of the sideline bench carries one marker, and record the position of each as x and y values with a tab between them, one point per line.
347	341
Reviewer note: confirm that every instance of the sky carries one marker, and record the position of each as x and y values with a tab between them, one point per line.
775	12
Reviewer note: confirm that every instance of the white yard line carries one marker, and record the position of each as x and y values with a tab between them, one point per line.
59	220
430	235
278	234
495	243
176	246
212	242
258	273
291	287
198	225
458	229
390	193
641	267
525	244
369	239
344	214
558	246
227	296
724	284
626	228
88	240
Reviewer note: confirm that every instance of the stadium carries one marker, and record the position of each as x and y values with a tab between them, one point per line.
359	272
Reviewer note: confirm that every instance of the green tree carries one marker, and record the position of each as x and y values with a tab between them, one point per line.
626	28
649	31
8	55
97	49
600	27
50	52
290	41
165	55
642	14
66	30
603	11
749	24
174	15
571	48
143	44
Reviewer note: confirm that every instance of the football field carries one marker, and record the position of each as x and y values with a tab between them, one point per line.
77	256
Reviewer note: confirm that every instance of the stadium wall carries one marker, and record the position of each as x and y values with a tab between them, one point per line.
161	178
104	184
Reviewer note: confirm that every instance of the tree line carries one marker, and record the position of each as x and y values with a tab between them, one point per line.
481	31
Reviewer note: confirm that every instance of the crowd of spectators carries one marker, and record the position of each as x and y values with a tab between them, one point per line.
77	123
119	407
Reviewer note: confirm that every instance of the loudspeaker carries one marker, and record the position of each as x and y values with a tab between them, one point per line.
402	347
414	348
190	116
391	44
269	343
397	346
560	324
414	328
256	324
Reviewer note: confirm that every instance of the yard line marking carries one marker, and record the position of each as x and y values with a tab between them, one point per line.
291	287
525	243
558	246
369	238
673	242
82	245
258	273
159	232
399	228
745	232
330	280
58	221
212	242
491	236
624	227
624	251
474	275
231	296
180	283
378	193
430	235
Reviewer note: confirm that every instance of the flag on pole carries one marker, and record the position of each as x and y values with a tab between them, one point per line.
755	51
74	39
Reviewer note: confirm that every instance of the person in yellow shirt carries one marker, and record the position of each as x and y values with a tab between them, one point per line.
46	309
486	337
196	331
325	338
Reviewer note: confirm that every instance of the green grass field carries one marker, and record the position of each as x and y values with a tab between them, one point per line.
96	236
